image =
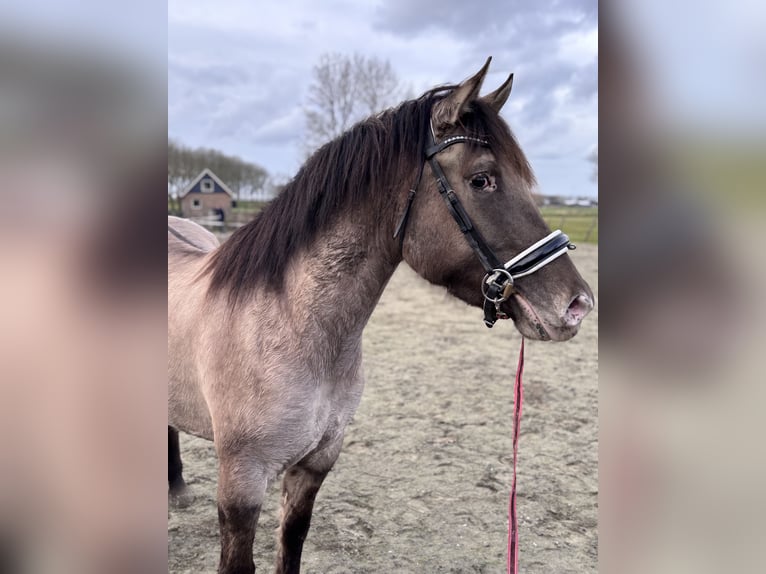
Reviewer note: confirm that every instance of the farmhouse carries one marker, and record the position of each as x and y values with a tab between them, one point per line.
206	195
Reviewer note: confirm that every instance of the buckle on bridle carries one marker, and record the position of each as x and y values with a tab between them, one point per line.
497	286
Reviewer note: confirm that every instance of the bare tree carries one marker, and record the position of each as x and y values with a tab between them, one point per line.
346	89
376	83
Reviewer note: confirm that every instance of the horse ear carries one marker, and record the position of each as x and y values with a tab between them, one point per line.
447	111
496	100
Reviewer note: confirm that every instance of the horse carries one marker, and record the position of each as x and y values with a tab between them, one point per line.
265	330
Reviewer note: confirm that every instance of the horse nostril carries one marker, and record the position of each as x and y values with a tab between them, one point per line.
580	306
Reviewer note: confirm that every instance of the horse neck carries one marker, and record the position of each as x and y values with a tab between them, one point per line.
342	276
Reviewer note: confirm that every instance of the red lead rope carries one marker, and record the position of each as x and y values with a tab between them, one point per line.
513	528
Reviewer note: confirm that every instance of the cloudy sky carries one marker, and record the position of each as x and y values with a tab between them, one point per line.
239	70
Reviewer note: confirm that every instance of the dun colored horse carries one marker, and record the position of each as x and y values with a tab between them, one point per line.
265	331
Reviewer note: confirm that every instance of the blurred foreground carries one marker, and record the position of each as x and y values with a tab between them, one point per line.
682	175
82	299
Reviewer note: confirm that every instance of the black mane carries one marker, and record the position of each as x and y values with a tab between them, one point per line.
347	171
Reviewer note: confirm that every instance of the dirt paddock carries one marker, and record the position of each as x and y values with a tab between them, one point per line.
422	483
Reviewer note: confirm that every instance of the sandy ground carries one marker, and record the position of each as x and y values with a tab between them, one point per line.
422	483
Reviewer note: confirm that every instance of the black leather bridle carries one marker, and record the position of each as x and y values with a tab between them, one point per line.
498	283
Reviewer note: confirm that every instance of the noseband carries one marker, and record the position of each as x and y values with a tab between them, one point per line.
498	282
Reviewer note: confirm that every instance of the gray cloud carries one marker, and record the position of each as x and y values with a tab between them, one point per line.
216	99
238	74
521	35
470	20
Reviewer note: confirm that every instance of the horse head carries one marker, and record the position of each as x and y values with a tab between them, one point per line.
489	188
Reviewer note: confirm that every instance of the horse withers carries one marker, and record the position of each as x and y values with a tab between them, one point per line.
265	330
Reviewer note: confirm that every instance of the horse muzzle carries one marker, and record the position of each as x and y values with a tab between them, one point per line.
498	285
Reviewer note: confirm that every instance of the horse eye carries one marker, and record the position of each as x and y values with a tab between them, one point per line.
480	181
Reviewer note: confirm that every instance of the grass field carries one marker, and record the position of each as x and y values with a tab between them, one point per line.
579	223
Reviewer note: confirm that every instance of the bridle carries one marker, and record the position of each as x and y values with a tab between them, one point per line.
498	282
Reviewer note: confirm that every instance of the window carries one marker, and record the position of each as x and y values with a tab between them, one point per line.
207	185
196	204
